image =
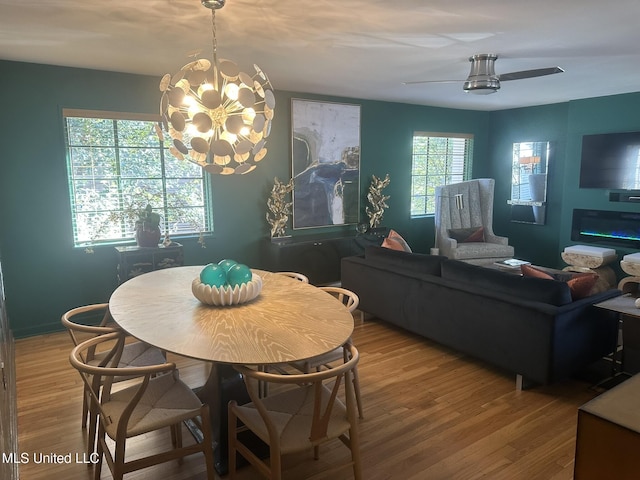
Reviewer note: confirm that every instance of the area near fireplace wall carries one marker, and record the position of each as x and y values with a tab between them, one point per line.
613	228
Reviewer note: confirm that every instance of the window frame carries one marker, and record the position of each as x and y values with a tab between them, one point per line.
118	216
421	181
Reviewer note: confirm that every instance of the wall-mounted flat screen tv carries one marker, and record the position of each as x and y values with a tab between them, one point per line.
611	160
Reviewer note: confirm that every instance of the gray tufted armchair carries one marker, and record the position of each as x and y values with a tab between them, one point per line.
461	208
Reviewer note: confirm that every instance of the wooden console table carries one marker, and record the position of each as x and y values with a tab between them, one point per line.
316	256
134	260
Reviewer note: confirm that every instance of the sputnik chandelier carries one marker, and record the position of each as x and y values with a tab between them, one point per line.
217	116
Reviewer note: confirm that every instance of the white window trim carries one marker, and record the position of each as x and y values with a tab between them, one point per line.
146	117
430	189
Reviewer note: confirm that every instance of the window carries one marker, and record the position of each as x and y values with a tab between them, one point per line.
437	160
117	165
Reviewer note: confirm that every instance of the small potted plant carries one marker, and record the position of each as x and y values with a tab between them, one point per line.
148	228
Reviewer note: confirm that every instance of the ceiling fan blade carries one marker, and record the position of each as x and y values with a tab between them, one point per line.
538	72
431	81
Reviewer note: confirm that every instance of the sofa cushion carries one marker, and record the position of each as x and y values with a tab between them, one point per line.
527	288
412	262
477	250
580	284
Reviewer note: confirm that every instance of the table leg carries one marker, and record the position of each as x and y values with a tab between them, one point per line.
618	374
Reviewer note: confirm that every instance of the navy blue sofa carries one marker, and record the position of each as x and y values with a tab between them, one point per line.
527	326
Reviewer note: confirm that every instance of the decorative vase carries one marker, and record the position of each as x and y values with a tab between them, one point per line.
148	238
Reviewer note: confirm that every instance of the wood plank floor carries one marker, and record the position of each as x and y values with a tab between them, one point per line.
430	413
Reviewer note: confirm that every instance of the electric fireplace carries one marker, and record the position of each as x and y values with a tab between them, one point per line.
604	226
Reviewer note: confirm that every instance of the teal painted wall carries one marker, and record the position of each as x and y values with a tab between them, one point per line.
536	243
618	113
387	134
564	124
45	276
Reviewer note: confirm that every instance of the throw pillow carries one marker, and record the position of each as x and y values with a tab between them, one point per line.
467	235
529	271
392	244
395	236
580	284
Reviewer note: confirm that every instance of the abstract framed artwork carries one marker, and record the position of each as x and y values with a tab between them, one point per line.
325	163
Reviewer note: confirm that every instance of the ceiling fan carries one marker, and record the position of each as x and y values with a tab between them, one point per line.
482	78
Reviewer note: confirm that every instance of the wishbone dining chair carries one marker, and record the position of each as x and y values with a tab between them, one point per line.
135	353
156	399
298	276
351	301
305	414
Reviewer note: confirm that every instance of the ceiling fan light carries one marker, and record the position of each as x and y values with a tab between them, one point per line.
482	86
482	77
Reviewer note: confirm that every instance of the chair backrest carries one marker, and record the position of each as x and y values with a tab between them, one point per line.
99	378
328	380
296	275
80	323
347	297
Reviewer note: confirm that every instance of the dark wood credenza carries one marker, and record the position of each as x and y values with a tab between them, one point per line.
316	256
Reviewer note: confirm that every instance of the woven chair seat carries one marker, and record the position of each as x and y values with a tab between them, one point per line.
166	400
292	415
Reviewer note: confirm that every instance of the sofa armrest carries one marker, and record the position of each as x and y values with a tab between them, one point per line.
590	300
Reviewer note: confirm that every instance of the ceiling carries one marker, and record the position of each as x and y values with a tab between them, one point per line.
350	48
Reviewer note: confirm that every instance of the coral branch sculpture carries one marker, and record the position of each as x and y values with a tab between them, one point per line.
377	200
279	207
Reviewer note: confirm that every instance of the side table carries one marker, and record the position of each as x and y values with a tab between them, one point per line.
630	264
134	260
626	359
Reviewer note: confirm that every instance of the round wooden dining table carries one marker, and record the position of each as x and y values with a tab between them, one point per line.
289	321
